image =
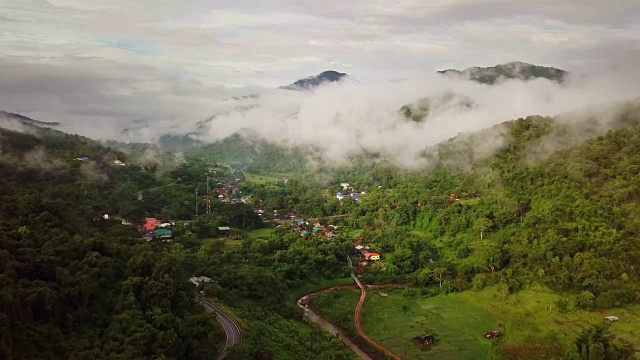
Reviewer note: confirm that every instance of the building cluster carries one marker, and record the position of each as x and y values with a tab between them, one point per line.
155	229
316	229
348	191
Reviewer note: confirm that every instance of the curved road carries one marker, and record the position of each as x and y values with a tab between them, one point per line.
231	328
356	317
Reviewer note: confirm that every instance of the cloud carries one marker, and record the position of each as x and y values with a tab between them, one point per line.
98	66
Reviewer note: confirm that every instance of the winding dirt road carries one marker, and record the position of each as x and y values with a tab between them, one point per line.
356	317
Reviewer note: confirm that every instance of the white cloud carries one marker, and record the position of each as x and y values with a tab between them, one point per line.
160	60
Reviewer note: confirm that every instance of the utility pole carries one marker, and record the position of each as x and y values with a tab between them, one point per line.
196	202
208	197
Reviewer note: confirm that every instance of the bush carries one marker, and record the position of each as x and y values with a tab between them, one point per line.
478	282
585	301
409	292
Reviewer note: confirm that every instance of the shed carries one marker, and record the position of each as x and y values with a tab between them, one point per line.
423	340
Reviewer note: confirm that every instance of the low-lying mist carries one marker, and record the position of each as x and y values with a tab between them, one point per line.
346	118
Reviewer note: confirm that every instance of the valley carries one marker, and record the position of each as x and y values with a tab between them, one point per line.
526	250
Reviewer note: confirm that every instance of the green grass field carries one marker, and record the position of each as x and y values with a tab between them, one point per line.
457	326
458	320
229	244
351	233
264	179
472	201
261	233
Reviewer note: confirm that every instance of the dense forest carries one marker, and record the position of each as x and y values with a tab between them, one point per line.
76	285
552	204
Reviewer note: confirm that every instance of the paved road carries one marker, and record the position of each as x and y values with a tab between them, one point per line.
231	328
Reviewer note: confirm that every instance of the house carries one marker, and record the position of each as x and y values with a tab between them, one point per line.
163	234
224	228
371	256
612	318
151	223
453	196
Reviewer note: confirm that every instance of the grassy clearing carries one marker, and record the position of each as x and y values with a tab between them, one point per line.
263	179
394	321
351	233
229	244
473	201
531	313
458	320
261	233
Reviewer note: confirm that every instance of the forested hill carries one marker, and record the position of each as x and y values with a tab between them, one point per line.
512	70
253	154
547	208
77	286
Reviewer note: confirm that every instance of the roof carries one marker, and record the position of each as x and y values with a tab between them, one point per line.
162	232
224	228
368	254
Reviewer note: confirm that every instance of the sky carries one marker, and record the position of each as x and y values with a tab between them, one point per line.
98	63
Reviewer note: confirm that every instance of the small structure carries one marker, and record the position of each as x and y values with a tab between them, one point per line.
82	158
371	256
163	234
423	340
197	280
612	318
453	196
150	224
224	228
492	334
118	162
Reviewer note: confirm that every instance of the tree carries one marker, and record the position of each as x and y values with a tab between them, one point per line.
440	273
481	225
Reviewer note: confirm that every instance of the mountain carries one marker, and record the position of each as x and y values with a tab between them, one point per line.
512	70
446	101
12	121
315	81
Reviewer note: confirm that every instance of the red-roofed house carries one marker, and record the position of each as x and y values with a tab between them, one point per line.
371	256
151	223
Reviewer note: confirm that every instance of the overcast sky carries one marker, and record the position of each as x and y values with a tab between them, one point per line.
106	60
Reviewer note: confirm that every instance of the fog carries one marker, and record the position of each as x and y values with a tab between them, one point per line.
348	117
339	119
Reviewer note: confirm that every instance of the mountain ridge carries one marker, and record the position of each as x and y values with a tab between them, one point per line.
511	70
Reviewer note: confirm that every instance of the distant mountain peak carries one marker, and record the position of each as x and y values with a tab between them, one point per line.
510	70
315	81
